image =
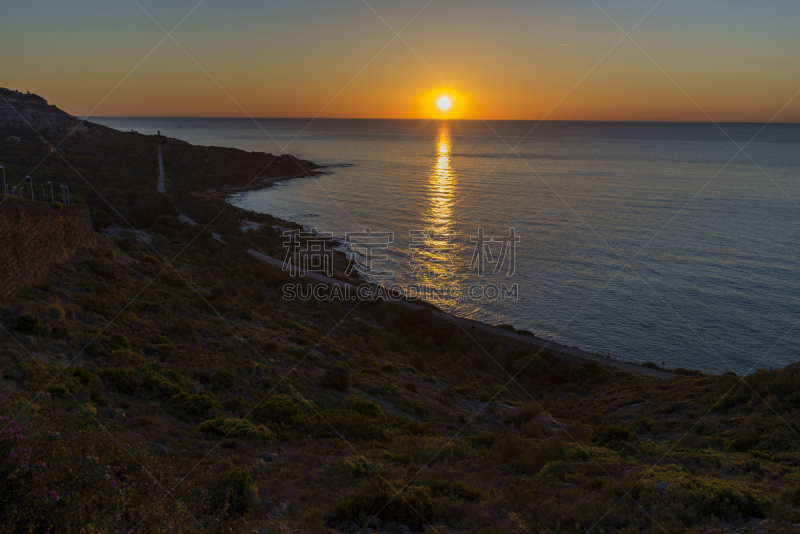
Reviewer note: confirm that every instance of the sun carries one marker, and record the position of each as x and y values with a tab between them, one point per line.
444	103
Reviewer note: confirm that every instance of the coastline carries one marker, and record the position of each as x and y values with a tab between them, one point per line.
341	262
259	183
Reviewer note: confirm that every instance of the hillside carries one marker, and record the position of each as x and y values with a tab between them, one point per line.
20	111
168	387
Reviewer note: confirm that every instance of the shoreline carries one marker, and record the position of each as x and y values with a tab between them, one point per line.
259	183
570	352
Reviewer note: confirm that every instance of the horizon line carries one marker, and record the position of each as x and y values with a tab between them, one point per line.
89	118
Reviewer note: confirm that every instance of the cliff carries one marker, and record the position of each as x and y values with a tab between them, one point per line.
34	238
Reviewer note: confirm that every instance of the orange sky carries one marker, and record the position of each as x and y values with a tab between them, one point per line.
499	60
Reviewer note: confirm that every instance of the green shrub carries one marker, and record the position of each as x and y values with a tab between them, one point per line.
234	492
540	453
97	391
56	312
314	519
63	473
223	380
612	436
534	429
337	377
557	469
410	386
236	404
194	405
279	411
458	488
390	368
412	506
184	328
524	413
712	496
362	406
58	206
232	427
350	424
43	376
28	323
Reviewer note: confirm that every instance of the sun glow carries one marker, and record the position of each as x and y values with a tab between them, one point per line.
443	103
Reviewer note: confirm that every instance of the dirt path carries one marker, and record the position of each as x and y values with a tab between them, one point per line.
161	188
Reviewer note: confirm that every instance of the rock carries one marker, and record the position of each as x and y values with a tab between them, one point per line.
369	531
354	527
269	456
285	507
662	486
163	450
379	360
628	473
270	509
570	485
427	527
184	452
405	528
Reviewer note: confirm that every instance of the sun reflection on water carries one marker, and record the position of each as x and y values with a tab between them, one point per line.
441	186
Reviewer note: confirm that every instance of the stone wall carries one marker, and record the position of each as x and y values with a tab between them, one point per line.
34	238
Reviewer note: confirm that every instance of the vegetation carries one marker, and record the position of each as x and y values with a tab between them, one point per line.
168	386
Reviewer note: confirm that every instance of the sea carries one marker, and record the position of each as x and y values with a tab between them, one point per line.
672	243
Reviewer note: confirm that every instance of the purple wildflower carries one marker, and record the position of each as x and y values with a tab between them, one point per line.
54	495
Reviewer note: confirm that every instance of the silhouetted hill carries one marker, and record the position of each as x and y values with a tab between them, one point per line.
29	115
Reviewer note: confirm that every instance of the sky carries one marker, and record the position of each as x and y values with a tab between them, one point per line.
673	60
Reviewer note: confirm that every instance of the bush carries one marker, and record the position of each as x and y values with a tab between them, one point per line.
410	386
56	312
534	429
234	492
184	328
100	219
279	411
612	436
48	485
362	406
194	405
412	506
28	323
97	391
58	206
350	424
232	427
337	377
558	469
524	413
223	380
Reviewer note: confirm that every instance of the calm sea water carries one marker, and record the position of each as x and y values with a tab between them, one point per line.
656	242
